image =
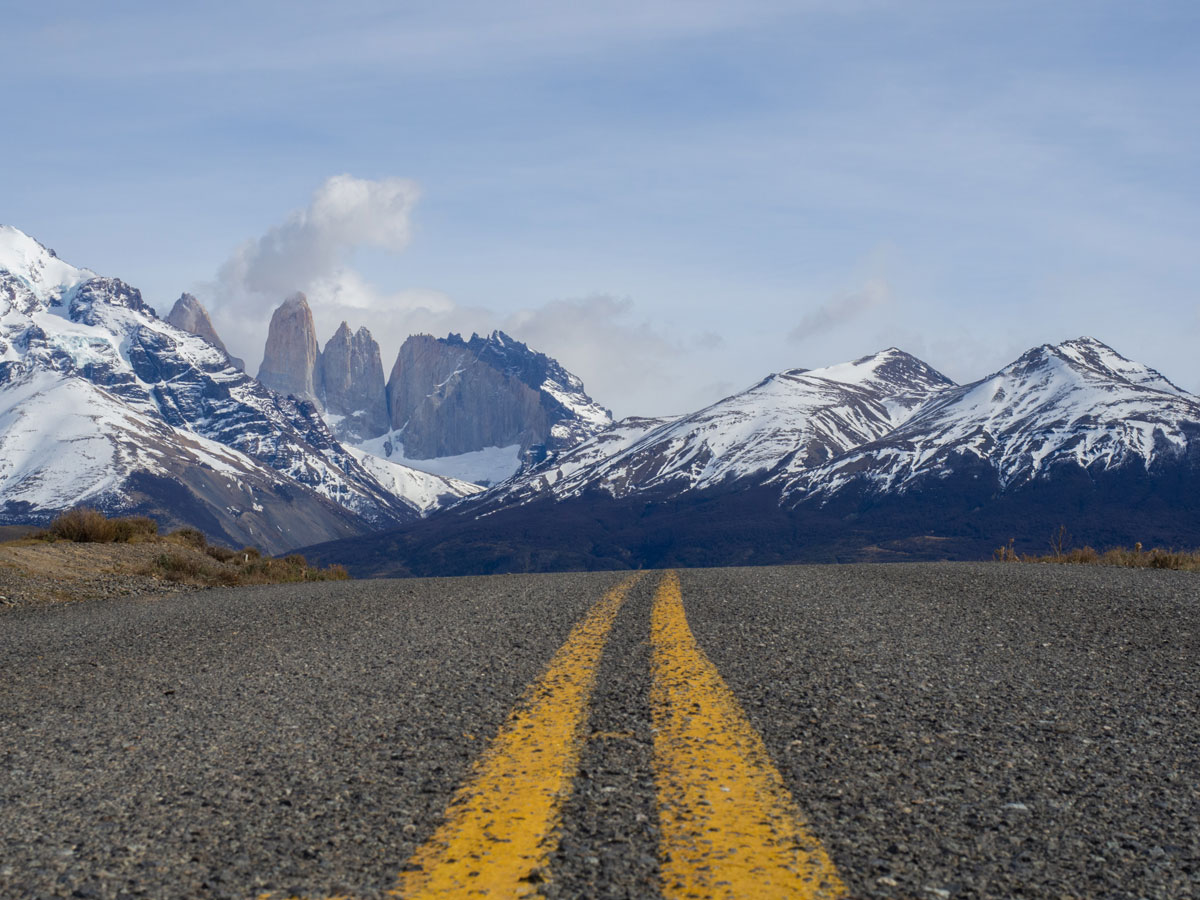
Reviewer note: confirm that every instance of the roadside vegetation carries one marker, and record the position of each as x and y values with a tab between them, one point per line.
1061	551
186	555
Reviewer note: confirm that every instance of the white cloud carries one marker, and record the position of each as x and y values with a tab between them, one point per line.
309	251
622	361
312	244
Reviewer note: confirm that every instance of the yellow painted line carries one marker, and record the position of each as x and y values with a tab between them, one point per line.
730	828
502	824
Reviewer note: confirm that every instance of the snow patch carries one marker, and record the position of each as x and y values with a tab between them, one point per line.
480	467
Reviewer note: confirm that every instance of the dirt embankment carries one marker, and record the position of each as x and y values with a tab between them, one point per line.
41	572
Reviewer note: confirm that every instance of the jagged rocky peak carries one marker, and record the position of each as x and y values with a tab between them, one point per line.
188	314
447	396
106	291
354	393
291	360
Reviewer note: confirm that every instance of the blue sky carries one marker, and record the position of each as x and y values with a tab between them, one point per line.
674	198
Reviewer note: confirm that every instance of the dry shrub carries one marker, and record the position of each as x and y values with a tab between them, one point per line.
177	567
134	528
1137	557
83	525
219	553
1081	555
191	537
291	568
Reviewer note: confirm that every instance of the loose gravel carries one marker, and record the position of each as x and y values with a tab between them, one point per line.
979	730
951	730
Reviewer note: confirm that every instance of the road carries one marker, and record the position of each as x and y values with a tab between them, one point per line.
909	731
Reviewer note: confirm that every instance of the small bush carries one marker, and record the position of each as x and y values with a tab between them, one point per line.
83	525
193	537
1006	553
219	553
175	567
133	528
250	554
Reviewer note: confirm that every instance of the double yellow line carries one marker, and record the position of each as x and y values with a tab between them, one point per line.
729	827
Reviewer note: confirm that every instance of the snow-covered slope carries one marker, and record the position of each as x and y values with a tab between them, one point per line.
61	324
425	492
481	468
793	419
64	441
1079	403
568	473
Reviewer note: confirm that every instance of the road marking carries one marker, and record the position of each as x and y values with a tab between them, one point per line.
502	824
729	826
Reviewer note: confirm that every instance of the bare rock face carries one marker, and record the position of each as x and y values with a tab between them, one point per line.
352	382
188	314
448	396
291	361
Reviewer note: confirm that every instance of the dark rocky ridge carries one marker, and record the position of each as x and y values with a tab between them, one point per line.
188	314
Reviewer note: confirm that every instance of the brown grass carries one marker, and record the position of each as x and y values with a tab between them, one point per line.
1137	558
239	568
187	555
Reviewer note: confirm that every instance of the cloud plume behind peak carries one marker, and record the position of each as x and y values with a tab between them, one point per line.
312	244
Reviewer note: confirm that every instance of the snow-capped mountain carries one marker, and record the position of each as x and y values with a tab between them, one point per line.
791	420
879	459
1078	404
89	370
64	441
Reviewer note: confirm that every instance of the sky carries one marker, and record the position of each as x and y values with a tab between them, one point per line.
672	197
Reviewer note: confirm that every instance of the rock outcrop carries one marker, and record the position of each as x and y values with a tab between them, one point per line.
189	314
291	361
448	396
353	390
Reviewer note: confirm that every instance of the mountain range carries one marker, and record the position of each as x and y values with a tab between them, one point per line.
104	403
882	458
482	454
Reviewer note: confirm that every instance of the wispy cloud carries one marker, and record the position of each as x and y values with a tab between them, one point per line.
458	35
841	310
619	357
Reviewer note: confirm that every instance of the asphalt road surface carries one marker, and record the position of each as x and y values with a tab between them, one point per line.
915	731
